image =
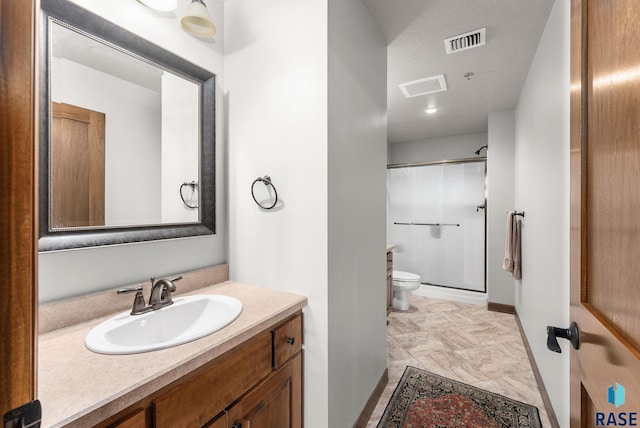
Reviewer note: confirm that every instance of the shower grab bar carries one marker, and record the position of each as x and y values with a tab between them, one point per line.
427	224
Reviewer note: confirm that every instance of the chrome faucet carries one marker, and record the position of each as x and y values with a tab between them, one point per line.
160	295
161	292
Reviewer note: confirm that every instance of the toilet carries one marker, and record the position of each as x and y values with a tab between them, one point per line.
403	284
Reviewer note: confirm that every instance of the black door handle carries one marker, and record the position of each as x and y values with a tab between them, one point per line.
572	334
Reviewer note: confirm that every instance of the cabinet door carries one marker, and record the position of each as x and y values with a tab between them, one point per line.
275	402
389	281
136	420
211	390
389	291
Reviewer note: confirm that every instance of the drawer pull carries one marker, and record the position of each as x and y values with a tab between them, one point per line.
291	340
237	425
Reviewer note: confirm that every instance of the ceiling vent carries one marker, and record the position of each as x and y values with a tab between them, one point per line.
428	85
465	41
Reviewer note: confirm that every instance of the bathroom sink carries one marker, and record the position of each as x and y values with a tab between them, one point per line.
189	318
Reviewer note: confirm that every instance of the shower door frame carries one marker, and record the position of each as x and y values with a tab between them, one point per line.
458	161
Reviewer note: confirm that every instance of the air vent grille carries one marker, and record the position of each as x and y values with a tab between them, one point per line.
428	85
465	41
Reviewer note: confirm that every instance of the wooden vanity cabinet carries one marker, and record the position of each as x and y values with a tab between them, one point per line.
256	384
389	281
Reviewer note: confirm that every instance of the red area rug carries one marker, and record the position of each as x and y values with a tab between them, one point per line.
426	400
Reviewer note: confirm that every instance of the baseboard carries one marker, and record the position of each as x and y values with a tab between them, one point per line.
373	401
536	373
500	307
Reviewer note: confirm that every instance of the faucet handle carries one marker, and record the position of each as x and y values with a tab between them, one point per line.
129	290
172	286
139	305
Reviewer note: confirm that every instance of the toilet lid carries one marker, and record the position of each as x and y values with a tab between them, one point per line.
399	275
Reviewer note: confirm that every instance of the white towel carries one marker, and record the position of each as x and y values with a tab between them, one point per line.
508	244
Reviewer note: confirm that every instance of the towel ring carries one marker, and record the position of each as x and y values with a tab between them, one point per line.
267	182
193	185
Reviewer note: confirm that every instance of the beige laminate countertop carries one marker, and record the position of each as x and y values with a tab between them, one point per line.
390	247
78	387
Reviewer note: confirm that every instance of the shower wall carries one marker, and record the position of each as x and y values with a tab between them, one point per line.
436	225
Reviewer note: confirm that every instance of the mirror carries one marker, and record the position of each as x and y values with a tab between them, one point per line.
127	141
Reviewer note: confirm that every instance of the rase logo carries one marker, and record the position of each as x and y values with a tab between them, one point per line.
616	397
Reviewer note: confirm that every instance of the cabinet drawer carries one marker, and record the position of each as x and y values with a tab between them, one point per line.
210	391
287	340
389	260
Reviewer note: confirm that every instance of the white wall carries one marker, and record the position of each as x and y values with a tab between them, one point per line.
500	200
542	190
276	102
357	207
308	109
180	148
132	138
68	273
437	149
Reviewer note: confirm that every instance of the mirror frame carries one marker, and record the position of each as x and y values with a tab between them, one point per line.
75	16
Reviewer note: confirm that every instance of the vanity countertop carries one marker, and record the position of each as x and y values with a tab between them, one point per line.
78	387
390	247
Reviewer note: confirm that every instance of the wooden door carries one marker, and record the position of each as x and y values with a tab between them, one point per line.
605	211
276	402
18	221
77	171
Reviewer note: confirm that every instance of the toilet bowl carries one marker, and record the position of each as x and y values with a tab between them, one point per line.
403	284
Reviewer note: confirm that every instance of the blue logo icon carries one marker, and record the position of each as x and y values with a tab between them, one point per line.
616	395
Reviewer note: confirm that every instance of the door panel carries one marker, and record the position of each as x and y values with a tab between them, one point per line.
613	200
78	152
605	206
17	198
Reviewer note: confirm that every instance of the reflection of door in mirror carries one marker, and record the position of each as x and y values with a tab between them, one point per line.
77	176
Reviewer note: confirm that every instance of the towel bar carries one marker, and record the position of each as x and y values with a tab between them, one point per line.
427	224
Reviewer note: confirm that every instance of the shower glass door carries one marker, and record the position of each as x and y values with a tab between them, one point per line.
437	222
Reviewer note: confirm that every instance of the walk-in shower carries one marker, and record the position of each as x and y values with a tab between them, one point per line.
436	220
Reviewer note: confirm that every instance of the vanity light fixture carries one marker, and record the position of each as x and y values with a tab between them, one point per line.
161	5
197	21
431	110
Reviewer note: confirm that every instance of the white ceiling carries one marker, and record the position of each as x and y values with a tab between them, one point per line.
415	31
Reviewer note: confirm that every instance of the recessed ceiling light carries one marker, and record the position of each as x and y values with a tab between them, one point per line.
431	110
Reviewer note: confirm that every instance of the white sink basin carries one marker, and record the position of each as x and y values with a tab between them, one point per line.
189	318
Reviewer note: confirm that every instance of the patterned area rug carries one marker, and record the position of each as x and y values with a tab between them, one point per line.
426	400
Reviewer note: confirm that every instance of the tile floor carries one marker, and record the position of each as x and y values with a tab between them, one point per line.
463	342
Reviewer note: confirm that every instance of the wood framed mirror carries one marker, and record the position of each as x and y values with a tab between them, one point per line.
127	136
